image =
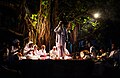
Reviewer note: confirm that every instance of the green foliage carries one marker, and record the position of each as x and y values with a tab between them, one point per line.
45	15
73	25
87	24
44	9
34	19
94	24
85	21
45	3
34	23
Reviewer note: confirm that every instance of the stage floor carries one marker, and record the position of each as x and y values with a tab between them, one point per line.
62	69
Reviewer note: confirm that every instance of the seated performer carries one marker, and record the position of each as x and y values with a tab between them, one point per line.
28	50
54	54
15	51
15	48
36	55
42	52
102	55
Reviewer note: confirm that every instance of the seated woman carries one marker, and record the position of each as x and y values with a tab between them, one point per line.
42	52
36	55
67	55
54	54
28	50
14	51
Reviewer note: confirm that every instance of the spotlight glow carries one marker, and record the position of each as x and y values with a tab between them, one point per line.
96	15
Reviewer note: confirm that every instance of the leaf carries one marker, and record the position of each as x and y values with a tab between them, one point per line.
73	26
34	23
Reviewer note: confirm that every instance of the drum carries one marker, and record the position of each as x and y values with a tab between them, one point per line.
84	55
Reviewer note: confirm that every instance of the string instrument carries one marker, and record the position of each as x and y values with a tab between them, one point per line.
101	57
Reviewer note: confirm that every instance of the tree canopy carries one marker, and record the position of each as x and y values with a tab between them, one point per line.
18	17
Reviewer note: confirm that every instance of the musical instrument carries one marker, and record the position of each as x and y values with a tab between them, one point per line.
85	54
101	57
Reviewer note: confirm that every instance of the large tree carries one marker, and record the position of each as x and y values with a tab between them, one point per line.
35	19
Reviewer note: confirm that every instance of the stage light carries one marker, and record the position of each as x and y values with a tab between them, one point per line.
96	15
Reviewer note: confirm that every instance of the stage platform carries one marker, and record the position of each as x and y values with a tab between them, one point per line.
62	69
56	68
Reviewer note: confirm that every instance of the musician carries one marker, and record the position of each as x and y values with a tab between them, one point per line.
102	55
113	51
28	51
114	56
43	53
35	53
36	50
15	49
54	53
61	37
93	51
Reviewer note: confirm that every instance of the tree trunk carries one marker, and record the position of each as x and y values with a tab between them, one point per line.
54	20
44	24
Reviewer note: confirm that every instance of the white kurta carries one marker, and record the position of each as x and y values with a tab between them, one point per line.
28	49
60	37
54	54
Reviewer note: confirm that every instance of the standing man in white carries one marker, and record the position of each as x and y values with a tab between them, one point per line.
61	37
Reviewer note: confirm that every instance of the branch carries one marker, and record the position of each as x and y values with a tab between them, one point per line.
28	19
12	31
9	5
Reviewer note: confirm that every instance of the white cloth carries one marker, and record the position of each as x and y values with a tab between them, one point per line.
28	51
111	53
67	57
92	49
42	52
54	54
61	35
14	50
